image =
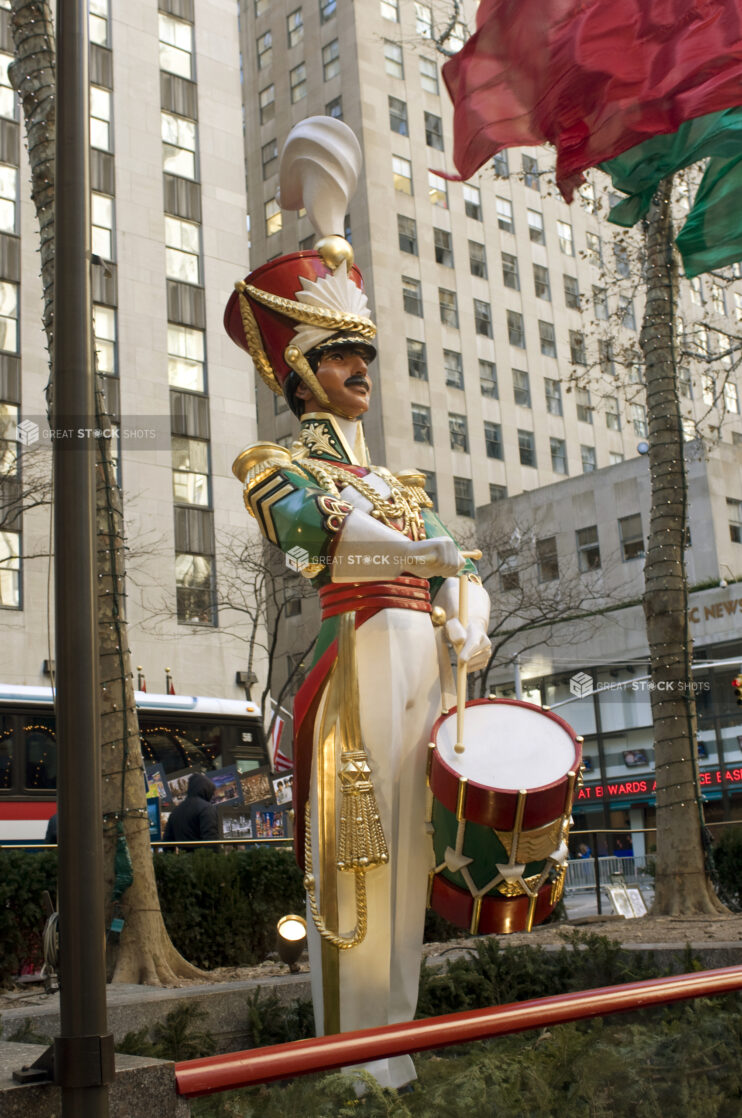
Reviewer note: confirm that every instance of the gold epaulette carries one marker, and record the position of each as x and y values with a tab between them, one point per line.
414	482
256	463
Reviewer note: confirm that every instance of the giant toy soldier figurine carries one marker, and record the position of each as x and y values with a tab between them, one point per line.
385	569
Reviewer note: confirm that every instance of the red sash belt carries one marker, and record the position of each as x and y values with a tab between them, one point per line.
404	592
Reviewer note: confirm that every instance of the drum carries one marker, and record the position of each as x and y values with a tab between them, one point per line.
500	813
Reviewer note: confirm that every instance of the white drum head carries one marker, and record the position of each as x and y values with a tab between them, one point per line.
507	746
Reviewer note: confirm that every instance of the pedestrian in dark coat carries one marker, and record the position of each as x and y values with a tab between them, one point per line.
196	817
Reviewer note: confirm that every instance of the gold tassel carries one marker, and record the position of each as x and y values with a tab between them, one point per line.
361	842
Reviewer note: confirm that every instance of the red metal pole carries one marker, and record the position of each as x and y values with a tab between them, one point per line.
285	1061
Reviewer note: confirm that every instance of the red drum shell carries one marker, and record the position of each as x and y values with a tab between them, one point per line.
496	807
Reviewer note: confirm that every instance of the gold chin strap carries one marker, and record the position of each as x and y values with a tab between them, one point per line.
255	343
296	360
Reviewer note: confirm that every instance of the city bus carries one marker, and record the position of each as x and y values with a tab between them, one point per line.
177	731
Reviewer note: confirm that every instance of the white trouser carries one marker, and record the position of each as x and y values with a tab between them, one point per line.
399	689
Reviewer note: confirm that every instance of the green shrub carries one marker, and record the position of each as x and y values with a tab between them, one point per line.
727	853
24	876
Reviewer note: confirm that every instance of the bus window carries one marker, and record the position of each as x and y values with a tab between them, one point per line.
41	754
177	748
6	752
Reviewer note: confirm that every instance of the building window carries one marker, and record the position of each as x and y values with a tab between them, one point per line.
473	204
571	292
536	227
614	457
429	75
101	206
269	158
547	562
100	118
448	307
458	433
493	439
587	193
547	339
185	360
541	284
443	246
10	570
194	588
178	146
437	190
589	462
267	100
630	534
327	10
298	82
527	448
331	60
510	276
273	217
588	549
498	492
433	131
417	359
104	338
182	250
407	233
482	318
454	368
265	50
500	165
393	61
594	249
398	116
530	172
488	379
600	303
734	514
262	7
566	240
334	108
8	317
685	383
463	492
294	27
612	414
190	471
402	174
553	391
639	420
505	215
606	358
8	198
97	22
731	398
412	296
431	487
626	312
507	562
176	45
390	10
421	427
584	406
577	347
477	260
621	257
558	449
516	330
9	455
423	21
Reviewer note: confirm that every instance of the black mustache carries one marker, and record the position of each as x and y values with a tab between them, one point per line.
358	378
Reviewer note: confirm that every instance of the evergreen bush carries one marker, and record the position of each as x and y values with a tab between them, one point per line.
727	852
24	876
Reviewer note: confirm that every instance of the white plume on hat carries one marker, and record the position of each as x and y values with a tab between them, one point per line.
319	168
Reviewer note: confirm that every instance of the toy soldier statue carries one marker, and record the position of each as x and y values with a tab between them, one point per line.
381	561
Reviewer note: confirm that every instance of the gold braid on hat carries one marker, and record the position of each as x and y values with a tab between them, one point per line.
297	312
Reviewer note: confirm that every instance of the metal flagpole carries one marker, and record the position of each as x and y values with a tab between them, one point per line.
83	1053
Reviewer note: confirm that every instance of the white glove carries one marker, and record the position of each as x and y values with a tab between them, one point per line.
367	551
471	644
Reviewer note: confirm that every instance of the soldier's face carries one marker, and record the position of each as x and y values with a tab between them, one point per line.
343	373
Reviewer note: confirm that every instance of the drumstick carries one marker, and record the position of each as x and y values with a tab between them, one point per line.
461	672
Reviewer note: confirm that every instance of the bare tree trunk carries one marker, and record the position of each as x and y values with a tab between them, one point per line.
682	886
144	952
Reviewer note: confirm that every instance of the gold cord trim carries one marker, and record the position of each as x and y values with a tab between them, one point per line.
399	506
255	342
312	316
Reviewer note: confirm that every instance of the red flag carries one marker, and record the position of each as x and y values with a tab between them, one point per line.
169	685
141	681
279	760
591	77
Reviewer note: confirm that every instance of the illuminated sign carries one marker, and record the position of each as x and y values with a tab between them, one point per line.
647	786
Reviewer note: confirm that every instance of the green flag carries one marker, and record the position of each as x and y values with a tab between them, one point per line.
712	234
